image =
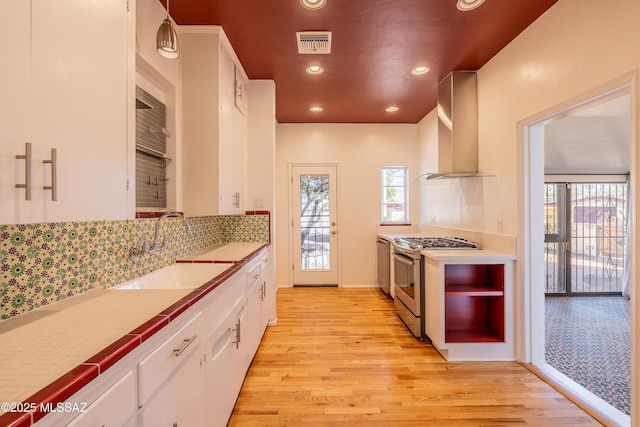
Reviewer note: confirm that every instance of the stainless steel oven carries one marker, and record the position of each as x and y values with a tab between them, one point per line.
408	290
409	275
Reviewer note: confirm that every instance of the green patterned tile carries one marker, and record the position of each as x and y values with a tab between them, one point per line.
44	263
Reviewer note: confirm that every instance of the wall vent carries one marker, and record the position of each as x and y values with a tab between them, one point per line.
314	42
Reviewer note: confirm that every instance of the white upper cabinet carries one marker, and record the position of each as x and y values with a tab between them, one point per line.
14	109
227	72
214	130
241	94
68	91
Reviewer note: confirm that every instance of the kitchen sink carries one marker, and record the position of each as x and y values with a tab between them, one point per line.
176	276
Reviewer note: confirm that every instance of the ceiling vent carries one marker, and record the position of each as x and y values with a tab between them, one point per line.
314	42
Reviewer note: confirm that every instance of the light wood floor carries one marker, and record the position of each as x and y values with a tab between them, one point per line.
341	357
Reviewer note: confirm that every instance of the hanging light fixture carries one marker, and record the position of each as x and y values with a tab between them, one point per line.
167	38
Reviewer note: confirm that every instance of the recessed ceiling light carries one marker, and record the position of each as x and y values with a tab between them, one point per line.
466	5
313	4
423	69
392	109
315	69
315	109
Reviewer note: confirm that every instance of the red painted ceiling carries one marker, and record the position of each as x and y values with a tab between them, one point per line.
376	44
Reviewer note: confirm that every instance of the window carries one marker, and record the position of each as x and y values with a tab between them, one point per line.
394	195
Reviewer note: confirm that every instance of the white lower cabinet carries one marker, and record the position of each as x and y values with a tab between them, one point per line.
120	396
222	357
266	293
241	342
190	373
170	386
254	312
180	402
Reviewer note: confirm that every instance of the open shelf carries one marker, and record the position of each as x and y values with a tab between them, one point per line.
473	290
474	303
470	336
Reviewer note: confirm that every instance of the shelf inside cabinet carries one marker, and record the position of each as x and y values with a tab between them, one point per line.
471	336
473	290
481	276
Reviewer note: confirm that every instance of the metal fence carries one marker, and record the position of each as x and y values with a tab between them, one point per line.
593	224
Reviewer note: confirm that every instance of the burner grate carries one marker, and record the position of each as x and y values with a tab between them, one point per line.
442	242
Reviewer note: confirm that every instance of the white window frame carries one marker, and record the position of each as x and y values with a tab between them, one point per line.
405	201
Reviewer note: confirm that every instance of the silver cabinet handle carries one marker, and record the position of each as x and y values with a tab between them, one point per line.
239	90
27	170
186	343
54	174
237	331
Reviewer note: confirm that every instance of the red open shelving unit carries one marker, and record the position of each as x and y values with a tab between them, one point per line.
474	303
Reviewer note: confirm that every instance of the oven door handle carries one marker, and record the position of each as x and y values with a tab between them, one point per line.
403	260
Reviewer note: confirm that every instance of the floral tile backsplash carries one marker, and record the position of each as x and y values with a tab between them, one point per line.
44	263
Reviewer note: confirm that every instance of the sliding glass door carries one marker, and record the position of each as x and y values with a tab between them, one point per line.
585	237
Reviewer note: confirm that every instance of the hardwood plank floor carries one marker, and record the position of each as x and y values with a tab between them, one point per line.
342	357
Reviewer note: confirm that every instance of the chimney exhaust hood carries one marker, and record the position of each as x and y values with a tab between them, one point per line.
457	126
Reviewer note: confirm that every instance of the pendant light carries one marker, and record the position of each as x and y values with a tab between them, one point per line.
167	38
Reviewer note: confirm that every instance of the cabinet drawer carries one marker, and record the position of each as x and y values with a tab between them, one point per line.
113	408
253	276
158	366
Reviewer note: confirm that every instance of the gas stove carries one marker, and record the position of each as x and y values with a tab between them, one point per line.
416	244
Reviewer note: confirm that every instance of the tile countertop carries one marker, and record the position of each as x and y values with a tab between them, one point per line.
50	353
467	255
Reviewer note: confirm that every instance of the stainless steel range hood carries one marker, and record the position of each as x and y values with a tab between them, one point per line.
457	126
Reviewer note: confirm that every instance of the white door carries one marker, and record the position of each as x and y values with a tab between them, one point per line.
315	230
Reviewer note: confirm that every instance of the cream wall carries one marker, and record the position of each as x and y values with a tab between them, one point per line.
575	50
359	150
464	203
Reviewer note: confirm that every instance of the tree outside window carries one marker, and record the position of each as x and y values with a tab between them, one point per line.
394	195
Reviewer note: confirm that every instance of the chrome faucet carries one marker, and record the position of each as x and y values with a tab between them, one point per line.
165	241
136	252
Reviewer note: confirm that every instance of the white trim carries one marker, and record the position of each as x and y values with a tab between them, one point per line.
291	214
530	346
584	397
405	202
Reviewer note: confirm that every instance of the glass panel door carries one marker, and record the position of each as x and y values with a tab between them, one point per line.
315	226
585	235
314	222
555	238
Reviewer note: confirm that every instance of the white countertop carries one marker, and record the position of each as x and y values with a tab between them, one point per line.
467	255
40	346
231	252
